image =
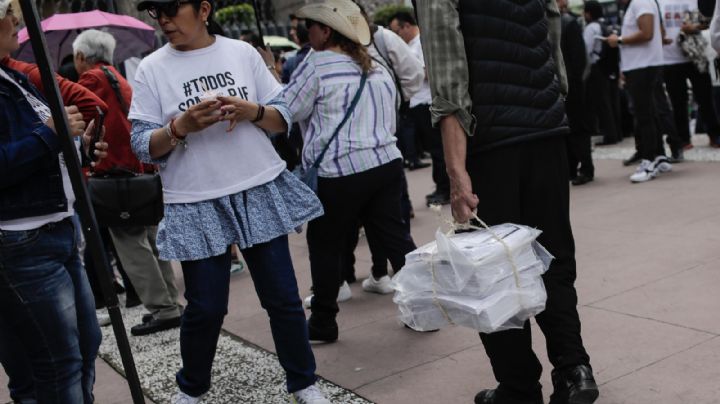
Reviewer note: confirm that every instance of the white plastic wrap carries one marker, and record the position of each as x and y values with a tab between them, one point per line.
469	279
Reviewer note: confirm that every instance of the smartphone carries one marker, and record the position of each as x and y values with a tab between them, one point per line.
97	133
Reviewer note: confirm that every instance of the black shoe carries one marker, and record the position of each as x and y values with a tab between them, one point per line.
437	198
677	156
416	165
132	301
581	179
498	397
605	143
146	318
574	385
322	330
155	325
634	159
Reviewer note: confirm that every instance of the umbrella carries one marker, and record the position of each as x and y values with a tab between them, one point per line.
133	36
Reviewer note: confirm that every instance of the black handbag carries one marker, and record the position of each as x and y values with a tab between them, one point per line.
127	199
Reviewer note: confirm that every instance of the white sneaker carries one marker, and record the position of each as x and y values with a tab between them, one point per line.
182	398
345	293
103	319
644	172
381	286
309	395
662	164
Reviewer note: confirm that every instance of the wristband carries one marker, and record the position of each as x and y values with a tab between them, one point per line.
260	114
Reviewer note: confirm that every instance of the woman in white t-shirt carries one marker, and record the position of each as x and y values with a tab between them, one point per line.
197	110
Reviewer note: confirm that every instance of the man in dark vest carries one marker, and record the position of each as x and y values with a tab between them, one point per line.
503	126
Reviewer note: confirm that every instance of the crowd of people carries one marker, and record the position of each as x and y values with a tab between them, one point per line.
251	149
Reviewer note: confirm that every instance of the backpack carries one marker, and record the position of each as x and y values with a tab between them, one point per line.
609	57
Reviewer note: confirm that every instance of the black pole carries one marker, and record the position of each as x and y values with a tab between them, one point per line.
83	206
257	21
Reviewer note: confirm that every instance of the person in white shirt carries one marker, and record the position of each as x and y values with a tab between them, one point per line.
682	21
403	23
641	57
202	116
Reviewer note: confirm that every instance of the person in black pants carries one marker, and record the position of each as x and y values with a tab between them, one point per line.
503	124
602	91
433	141
676	77
580	164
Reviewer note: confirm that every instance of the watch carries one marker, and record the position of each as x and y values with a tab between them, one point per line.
619	41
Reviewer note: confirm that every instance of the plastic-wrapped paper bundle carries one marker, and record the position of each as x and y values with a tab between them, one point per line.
474	279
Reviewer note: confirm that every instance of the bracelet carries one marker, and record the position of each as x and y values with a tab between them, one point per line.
260	114
170	132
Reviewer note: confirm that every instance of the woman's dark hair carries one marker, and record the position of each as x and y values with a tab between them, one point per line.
594	9
213	27
356	51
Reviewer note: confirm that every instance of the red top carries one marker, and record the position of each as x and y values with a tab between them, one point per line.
117	126
72	93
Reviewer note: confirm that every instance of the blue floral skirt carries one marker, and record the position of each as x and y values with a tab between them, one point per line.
194	231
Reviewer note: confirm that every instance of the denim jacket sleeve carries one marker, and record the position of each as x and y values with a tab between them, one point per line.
20	156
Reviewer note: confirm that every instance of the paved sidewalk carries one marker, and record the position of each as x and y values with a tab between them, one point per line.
648	270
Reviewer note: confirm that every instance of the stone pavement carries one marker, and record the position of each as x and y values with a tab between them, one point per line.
648	270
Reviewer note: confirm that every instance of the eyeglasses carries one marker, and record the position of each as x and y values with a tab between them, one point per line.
170	9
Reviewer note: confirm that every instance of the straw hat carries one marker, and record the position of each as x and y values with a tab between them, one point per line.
343	16
4	4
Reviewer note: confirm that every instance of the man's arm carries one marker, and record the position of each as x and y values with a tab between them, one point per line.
446	61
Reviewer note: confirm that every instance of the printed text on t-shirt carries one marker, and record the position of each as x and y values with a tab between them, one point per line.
219	84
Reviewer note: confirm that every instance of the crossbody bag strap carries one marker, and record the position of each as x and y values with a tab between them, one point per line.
115	84
349	112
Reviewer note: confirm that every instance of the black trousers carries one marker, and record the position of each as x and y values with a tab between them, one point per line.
676	77
651	110
371	197
579	142
433	141
602	96
532	189
377	250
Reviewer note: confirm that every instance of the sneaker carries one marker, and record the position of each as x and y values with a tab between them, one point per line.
380	286
644	172
236	267
182	398
344	294
309	395
103	319
662	164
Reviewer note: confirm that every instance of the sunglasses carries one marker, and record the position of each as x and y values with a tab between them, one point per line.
170	9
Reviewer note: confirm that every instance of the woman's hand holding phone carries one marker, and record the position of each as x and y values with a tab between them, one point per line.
198	117
236	110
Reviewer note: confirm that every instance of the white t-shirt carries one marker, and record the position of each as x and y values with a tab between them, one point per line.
640	56
32	223
674	12
215	163
424	96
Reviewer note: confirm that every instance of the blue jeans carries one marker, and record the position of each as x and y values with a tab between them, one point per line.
207	287
47	313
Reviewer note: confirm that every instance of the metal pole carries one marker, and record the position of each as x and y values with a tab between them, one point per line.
257	21
83	206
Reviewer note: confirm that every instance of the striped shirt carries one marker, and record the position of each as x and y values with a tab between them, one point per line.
318	96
